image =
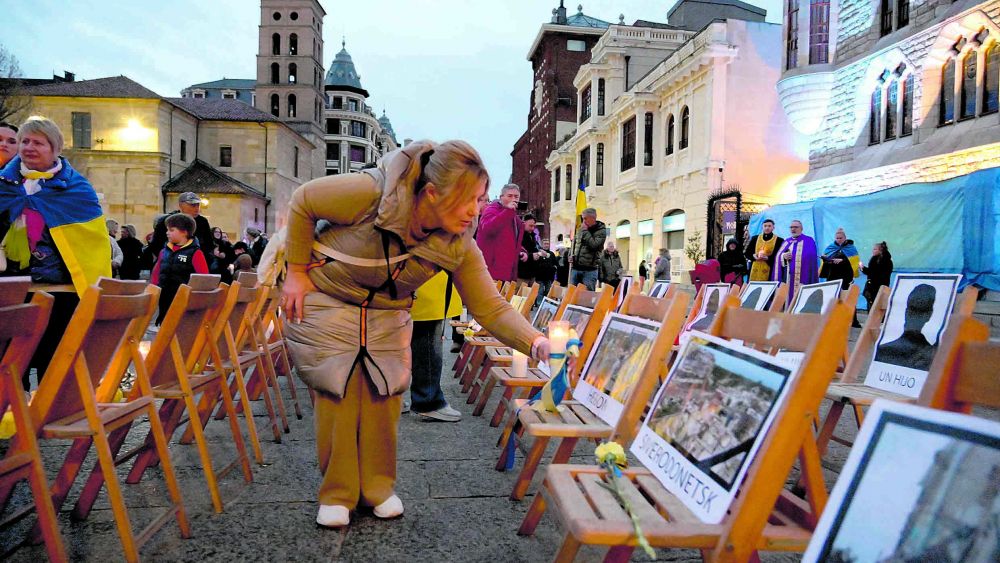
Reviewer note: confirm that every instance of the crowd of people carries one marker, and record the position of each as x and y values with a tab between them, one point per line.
54	230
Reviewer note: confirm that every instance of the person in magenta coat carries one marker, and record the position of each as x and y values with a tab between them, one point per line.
499	235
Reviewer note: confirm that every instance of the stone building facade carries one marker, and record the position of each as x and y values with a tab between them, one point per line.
242	89
674	115
130	142
891	92
353	135
560	48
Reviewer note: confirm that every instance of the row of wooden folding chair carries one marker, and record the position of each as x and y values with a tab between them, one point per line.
474	348
272	336
536	378
21	328
74	399
575	420
764	516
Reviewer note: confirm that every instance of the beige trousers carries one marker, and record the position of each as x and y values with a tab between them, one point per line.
356	443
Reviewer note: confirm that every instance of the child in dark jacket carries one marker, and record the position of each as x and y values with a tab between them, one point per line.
179	258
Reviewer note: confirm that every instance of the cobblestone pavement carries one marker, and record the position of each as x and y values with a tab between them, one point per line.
457	506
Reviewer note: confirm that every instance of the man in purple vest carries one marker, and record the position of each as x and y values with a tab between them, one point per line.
500	232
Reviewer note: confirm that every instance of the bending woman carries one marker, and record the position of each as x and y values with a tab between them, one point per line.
389	230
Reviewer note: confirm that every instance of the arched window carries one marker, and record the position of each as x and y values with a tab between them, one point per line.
293	71
906	109
274	105
946	103
275	44
670	134
685	127
558	184
991	64
291	105
293	44
968	86
875	116
274	73
891	96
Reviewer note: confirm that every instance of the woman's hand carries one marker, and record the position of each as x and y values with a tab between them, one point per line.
297	285
540	349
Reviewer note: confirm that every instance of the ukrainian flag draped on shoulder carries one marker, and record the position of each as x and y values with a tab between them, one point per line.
72	213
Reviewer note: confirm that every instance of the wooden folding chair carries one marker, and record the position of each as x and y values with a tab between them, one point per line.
557	291
522	301
176	359
575	421
21	328
764	515
507	291
244	350
848	391
536	378
74	398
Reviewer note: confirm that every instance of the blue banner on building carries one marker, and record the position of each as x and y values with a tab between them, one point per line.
952	226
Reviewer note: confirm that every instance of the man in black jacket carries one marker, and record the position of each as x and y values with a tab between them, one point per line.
188	203
587	246
257	242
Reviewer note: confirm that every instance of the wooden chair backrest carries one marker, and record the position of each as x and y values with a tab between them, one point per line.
184	334
509	290
13	290
670	312
248	302
21	328
766	330
557	291
205	282
530	293
789	432
964	372
102	339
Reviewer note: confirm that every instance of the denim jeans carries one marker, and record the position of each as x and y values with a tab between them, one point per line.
425	388
586	277
543	290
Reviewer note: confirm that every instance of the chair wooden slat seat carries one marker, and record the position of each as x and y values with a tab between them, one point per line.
112	416
861	394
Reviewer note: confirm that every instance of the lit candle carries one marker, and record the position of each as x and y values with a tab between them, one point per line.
465	315
558	336
520	364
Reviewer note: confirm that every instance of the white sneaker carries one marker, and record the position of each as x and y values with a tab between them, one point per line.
406	405
333	516
391	508
443	414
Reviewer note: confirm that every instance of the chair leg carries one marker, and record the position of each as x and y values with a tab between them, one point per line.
568	550
271	379
206	458
534	515
170	416
470	369
173	488
47	520
234	427
69	471
248	415
829	425
107	464
463	357
92	488
530	465
506	398
287	369
269	404
482	376
564	450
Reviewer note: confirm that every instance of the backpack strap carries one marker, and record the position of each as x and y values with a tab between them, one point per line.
447	293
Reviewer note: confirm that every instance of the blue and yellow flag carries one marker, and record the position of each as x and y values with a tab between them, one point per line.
581	199
72	213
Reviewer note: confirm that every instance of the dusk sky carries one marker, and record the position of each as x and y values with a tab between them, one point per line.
444	69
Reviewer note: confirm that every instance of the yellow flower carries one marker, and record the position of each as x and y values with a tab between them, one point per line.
611	451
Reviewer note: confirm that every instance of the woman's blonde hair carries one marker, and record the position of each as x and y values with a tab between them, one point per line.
45	127
454	167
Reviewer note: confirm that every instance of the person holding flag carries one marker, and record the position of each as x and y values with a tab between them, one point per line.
841	261
588	242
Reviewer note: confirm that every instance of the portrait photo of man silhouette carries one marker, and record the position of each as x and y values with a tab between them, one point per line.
911	349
